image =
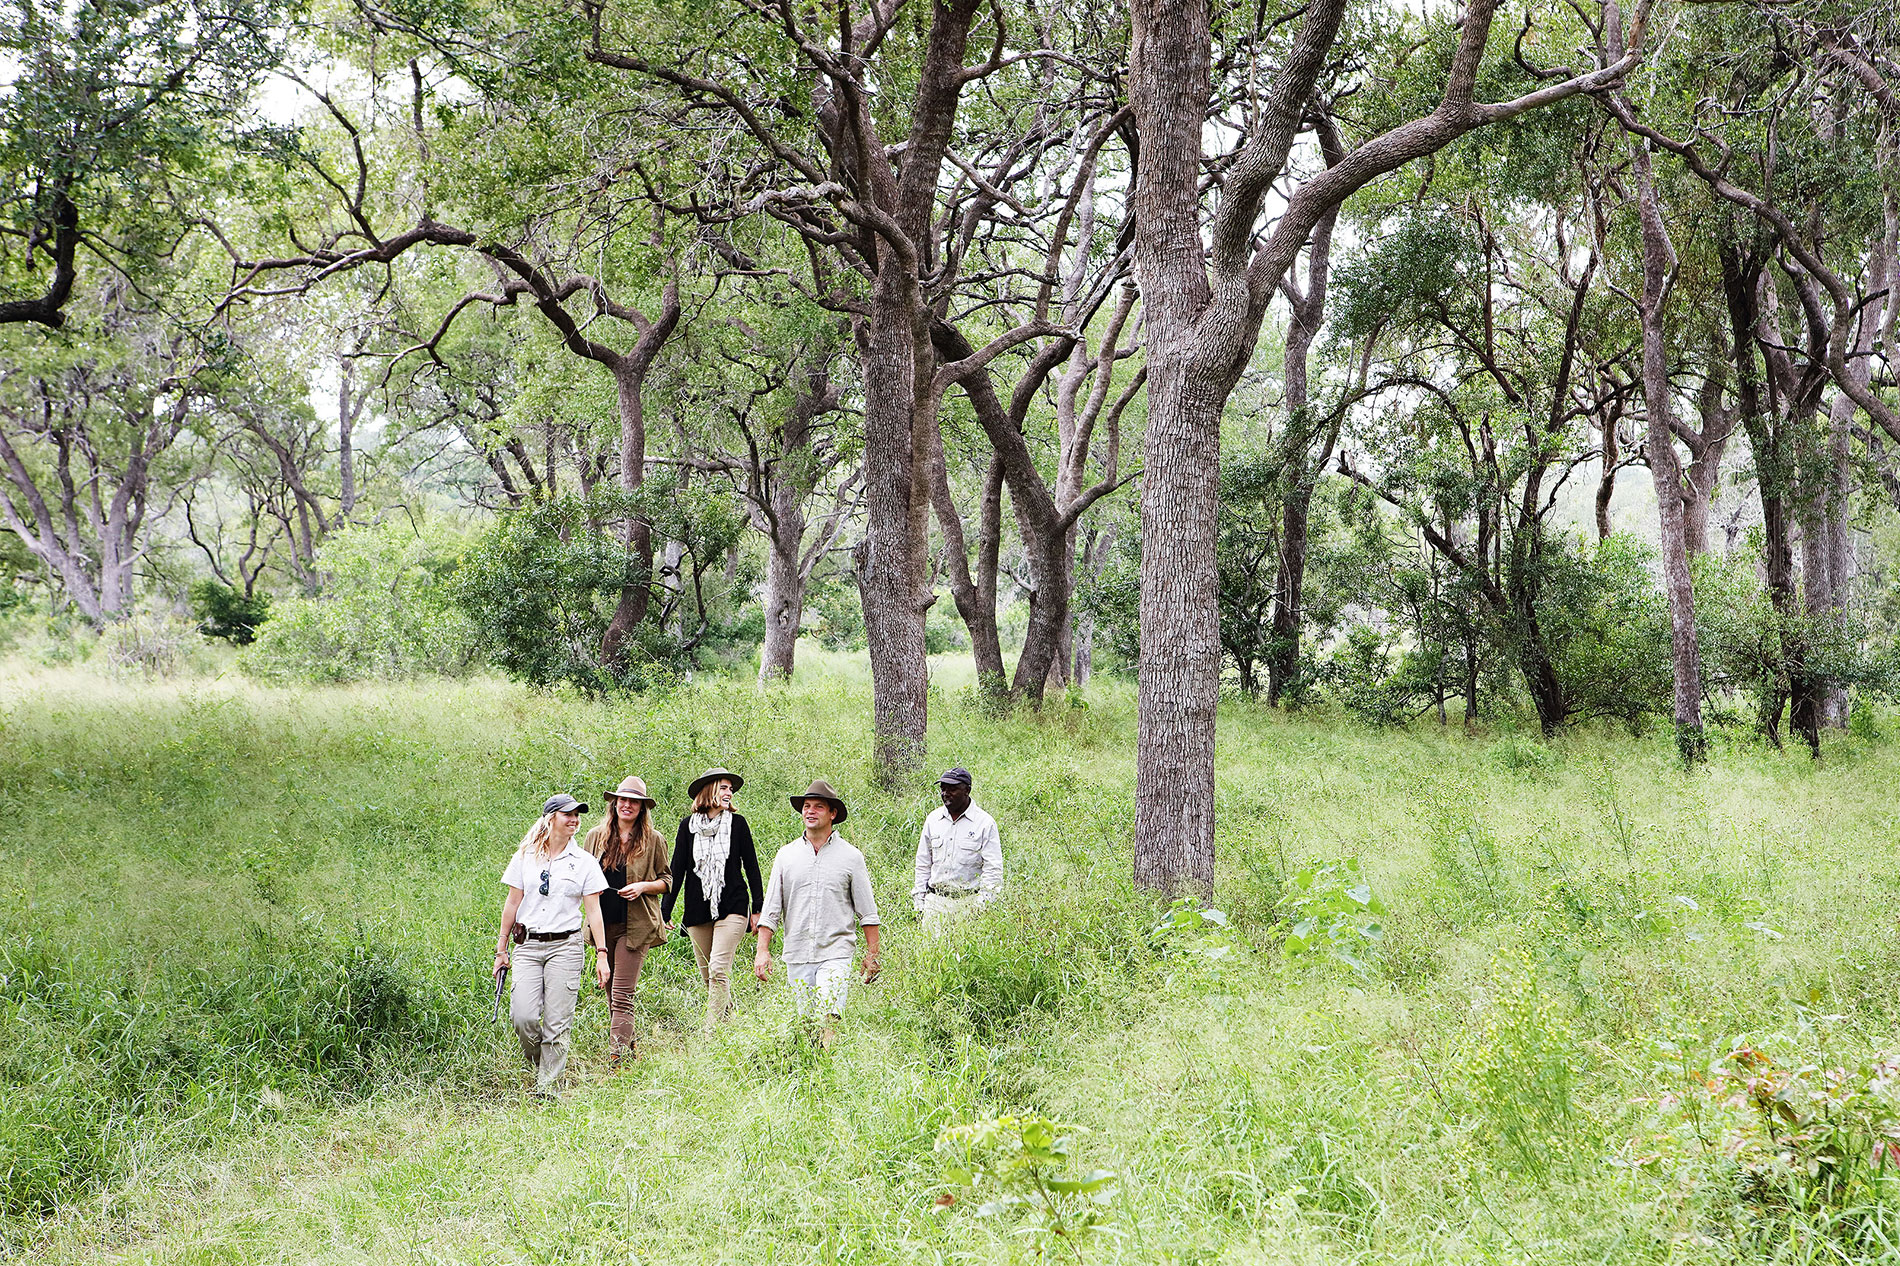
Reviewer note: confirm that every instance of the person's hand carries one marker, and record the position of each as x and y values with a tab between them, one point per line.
501	961
762	966
603	970
752	925
871	968
632	890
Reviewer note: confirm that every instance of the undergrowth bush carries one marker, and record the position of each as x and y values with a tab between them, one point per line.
191	1044
1791	1140
1016	965
383	612
1522	1072
152	643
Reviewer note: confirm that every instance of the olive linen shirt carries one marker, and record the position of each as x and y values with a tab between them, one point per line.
818	900
572	874
641	915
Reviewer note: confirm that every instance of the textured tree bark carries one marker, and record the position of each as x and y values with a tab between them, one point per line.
784	611
1707	447
788	566
1835	526
974	595
1742	282
1203	305
1178	678
1659	261
1302	470
347	406
1606	482
629	389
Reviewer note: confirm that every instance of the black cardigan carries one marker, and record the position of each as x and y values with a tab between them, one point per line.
743	894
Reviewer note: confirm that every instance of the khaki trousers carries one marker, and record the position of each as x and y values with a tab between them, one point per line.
714	945
547	977
626	962
942	909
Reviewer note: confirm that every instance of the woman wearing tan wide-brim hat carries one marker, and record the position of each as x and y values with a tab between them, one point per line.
716	871
632	856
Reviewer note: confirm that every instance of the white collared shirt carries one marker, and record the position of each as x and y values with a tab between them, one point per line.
964	854
572	875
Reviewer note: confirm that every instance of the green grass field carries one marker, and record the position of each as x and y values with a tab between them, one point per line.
245	1011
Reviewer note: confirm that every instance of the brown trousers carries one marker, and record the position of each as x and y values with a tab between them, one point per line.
626	962
714	945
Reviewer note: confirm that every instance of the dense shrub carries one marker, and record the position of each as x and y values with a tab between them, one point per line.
196	1043
384	611
543	584
225	612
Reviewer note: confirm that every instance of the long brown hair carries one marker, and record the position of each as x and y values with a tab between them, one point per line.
612	846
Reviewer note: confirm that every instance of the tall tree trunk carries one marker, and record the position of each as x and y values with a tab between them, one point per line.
785	576
1606	481
974	595
1836	524
1707	449
1768	437
1178	677
1204	298
784	612
347	406
1659	260
1300	476
891	577
1042	526
636	594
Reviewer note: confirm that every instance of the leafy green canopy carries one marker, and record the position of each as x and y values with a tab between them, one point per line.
122	115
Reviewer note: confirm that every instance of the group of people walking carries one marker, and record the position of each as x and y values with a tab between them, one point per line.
616	889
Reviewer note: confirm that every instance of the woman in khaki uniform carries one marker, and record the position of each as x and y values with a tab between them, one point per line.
632	857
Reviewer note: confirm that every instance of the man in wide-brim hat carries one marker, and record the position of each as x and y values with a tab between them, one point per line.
819	895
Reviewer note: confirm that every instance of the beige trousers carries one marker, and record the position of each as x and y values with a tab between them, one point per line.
714	945
547	984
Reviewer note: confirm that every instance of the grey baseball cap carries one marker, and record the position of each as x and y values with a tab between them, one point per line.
561	802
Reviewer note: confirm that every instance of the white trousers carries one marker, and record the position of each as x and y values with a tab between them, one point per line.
820	989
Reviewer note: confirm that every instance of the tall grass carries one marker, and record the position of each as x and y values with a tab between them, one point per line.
244	1010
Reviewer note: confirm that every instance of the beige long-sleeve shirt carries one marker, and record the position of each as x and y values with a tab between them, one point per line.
818	899
958	855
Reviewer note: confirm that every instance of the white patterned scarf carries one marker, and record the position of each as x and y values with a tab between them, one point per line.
712	844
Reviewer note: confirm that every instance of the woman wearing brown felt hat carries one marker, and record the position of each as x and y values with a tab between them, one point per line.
632	857
716	871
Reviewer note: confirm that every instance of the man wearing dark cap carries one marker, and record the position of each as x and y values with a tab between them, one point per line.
959	854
